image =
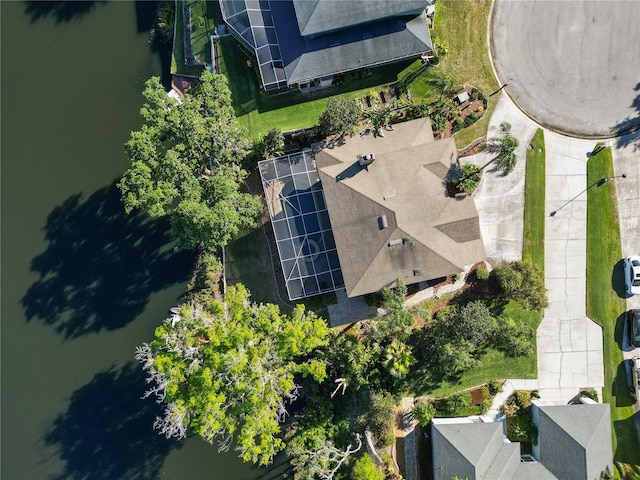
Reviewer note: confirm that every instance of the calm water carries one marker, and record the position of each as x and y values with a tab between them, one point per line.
82	284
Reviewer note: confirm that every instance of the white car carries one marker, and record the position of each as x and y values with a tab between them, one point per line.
631	266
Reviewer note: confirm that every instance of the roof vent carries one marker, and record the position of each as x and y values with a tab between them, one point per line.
407	241
383	222
393	243
366	159
417	272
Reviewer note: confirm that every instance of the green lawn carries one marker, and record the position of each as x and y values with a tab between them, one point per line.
604	303
462	26
493	365
534	195
248	261
258	112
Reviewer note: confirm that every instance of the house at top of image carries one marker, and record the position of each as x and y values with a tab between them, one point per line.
308	42
363	213
574	443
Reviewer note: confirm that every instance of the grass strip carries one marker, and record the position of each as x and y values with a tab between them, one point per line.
534	196
605	306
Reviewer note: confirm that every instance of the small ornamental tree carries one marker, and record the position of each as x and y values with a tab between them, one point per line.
504	147
272	144
227	372
340	117
523	281
470	176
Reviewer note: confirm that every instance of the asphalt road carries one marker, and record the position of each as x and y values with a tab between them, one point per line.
572	66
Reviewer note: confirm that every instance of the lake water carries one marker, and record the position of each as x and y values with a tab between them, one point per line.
82	283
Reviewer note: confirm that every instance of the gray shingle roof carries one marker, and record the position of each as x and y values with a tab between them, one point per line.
574	443
321	16
574	440
429	235
368	44
473	450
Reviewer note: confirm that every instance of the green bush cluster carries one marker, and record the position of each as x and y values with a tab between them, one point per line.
482	273
470	176
523	281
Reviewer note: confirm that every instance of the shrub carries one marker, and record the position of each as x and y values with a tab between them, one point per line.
482	273
470	176
485	406
512	339
522	429
484	393
589	393
523	399
495	386
523	281
469	120
456	403
365	468
341	116
424	412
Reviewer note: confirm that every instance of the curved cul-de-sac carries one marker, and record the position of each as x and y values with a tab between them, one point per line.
572	66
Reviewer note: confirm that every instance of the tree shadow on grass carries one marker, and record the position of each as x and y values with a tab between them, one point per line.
107	431
62	11
620	389
101	265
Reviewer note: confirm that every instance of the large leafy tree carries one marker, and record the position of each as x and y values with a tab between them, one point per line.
340	117
227	371
185	164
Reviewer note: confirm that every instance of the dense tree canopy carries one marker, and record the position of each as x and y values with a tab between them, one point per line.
227	371
185	163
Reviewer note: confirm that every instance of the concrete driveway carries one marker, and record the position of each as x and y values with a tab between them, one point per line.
573	66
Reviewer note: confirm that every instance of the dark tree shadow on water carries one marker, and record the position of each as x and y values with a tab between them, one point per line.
101	265
62	11
107	430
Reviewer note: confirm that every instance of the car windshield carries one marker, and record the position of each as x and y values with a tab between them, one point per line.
635	263
636	283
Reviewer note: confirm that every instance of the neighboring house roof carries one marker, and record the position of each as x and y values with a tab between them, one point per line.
473	450
427	235
364	45
321	16
583	431
574	443
295	41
